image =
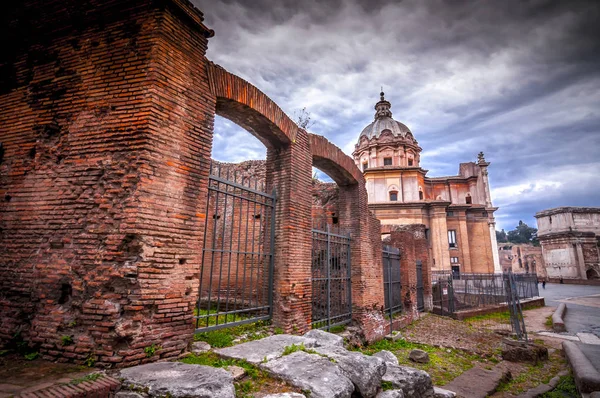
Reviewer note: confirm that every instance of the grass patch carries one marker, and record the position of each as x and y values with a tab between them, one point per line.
290	349
500	317
548	322
337	329
533	375
565	388
444	365
225	337
387	385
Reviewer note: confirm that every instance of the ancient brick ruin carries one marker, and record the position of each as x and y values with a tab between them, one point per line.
107	123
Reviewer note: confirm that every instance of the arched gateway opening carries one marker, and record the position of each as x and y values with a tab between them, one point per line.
125	256
260	241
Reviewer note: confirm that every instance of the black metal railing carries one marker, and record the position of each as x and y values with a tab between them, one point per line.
452	293
236	274
331	284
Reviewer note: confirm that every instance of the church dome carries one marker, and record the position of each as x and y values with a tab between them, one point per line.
384	121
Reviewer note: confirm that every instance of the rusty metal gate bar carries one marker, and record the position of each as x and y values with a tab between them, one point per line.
420	288
331	284
392	285
236	273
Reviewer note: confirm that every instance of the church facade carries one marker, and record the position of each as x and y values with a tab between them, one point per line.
457	211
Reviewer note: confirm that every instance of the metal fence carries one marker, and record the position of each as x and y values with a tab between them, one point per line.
392	285
331	284
452	292
236	274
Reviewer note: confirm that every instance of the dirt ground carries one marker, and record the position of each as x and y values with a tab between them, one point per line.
18	375
446	332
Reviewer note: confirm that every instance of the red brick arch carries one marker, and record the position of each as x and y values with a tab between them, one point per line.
250	108
330	159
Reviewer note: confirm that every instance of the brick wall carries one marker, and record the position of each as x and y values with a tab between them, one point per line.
102	177
413	245
107	128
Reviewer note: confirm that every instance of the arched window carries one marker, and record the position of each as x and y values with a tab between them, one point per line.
468	199
421	193
365	165
393	196
410	161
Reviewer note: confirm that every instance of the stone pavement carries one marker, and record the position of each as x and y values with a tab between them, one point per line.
478	382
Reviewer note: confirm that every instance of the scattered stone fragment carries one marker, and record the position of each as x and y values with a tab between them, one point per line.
478	382
319	375
200	347
419	356
413	382
387	357
263	350
236	371
324	338
391	394
177	380
515	351
364	371
443	393
128	394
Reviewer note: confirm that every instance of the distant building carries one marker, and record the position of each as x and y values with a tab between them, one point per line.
570	239
522	258
456	210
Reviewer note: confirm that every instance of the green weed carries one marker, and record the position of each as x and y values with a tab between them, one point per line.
565	388
66	340
151	350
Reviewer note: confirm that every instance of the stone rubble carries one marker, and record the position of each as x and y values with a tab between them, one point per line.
364	371
413	382
387	356
319	375
179	380
200	347
320	365
324	339
267	349
418	356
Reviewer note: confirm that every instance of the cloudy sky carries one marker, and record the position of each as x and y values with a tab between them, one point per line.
519	80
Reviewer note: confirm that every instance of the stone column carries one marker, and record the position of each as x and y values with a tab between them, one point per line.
439	236
495	255
580	260
464	241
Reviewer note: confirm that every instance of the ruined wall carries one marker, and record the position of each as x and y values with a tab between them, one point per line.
325	206
522	258
98	214
413	245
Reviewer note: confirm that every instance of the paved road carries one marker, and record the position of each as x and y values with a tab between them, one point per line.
583	305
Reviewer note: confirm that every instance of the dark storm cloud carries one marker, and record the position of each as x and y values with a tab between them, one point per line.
519	80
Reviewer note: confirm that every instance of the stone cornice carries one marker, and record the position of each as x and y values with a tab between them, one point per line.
566	209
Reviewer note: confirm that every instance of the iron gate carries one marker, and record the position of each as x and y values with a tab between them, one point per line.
392	285
236	275
331	293
420	300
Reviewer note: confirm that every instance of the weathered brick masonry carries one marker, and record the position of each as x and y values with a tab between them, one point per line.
106	123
